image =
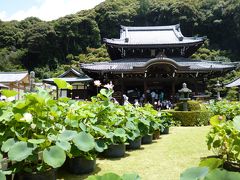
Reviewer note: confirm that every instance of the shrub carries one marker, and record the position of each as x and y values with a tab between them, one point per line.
232	94
192	106
226	108
223	139
191	118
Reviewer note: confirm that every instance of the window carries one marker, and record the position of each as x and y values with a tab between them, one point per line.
153	52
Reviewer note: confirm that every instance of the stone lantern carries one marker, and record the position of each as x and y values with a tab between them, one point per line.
32	81
184	96
218	85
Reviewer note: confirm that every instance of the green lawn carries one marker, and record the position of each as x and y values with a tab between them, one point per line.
165	159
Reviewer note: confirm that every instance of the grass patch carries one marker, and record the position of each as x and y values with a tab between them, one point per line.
165	159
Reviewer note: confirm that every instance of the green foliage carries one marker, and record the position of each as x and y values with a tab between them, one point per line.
191	118
166	120
211	163
232	94
54	156
113	176
11	59
204	173
192	106
194	173
61	84
35	127
225	108
40	45
2	176
206	53
8	93
93	55
223	138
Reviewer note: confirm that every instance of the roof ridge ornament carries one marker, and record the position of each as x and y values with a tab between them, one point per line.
161	55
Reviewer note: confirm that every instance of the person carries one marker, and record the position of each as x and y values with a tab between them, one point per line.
159	105
125	99
142	99
148	96
115	101
156	97
161	96
136	103
153	96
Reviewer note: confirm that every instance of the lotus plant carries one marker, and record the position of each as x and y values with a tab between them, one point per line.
28	127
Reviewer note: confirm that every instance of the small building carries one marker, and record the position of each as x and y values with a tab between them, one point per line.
77	79
2	86
235	83
154	60
18	81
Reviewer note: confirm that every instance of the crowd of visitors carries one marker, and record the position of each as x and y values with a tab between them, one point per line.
156	98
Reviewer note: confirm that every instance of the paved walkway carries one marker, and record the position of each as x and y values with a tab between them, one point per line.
165	159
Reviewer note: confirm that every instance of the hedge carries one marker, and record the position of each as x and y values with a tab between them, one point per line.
192	106
191	118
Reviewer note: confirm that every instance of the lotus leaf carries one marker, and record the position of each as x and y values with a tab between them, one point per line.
67	135
54	156
84	141
20	151
195	173
211	163
8	144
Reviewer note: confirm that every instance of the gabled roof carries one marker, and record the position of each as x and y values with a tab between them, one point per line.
153	35
234	83
3	86
73	71
71	76
7	77
69	80
130	65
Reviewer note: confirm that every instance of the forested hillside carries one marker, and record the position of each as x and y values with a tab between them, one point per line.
43	46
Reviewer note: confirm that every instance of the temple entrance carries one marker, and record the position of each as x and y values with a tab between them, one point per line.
160	80
161	71
160	87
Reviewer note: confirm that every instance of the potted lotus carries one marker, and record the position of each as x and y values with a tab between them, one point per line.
167	121
148	123
109	123
115	135
26	137
80	143
131	127
81	151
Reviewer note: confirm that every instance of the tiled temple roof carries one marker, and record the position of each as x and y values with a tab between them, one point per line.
71	76
184	63
234	83
6	77
153	35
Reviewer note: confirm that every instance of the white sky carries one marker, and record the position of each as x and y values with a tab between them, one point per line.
43	9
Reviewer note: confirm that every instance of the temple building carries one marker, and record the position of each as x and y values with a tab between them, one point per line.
18	81
78	80
154	59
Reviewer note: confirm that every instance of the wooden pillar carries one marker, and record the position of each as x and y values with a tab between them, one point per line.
24	87
238	93
10	86
57	92
145	89
18	86
173	90
122	89
84	91
195	87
